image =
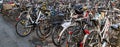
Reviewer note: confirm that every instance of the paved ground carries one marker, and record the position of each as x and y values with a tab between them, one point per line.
8	37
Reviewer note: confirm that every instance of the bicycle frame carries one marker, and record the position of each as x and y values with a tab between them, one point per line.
67	24
103	36
103	33
36	21
29	18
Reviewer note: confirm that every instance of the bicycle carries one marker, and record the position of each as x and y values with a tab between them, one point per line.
63	32
100	37
28	23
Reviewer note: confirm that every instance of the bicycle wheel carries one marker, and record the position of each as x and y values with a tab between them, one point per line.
21	28
44	29
76	37
93	40
56	39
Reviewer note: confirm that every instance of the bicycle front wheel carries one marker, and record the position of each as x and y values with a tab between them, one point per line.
93	40
21	30
58	40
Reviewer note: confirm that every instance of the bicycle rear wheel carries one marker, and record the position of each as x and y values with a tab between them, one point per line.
44	29
21	28
75	37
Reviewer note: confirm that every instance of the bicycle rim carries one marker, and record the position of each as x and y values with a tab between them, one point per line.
43	34
93	40
55	36
21	24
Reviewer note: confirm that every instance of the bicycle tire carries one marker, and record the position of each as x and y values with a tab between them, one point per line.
43	34
56	31
17	31
93	36
47	25
76	36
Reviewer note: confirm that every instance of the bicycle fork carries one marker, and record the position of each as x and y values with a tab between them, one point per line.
65	26
59	37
